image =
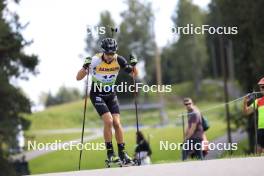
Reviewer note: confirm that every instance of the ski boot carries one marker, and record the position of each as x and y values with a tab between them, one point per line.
126	160
111	160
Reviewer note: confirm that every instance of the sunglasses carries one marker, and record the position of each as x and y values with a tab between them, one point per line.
261	87
187	104
110	54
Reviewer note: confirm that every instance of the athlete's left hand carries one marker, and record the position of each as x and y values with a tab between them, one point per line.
133	60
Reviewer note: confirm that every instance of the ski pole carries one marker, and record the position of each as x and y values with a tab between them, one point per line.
135	101
113	30
183	127
84	114
255	121
183	136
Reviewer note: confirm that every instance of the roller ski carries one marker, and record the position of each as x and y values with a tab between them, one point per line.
113	160
126	160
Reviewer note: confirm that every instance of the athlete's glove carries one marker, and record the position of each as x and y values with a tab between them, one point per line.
87	62
133	63
133	60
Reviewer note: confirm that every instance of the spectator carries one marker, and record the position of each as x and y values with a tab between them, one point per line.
194	133
143	150
259	106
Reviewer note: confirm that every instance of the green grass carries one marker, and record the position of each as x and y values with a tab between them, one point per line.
242	146
241	152
70	116
68	160
88	162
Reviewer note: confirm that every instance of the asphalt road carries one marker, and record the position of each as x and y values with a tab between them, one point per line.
252	166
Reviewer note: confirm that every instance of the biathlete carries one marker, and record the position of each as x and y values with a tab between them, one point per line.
104	68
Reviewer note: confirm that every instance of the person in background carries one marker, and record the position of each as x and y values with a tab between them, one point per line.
194	133
248	109
143	151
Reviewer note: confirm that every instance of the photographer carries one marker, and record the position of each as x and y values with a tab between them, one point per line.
248	109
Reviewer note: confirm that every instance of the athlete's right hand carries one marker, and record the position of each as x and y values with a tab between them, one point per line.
87	62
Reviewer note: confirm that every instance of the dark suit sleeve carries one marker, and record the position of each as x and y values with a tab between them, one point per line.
123	64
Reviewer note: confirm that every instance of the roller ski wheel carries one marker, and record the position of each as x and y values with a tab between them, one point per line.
137	162
109	164
128	164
